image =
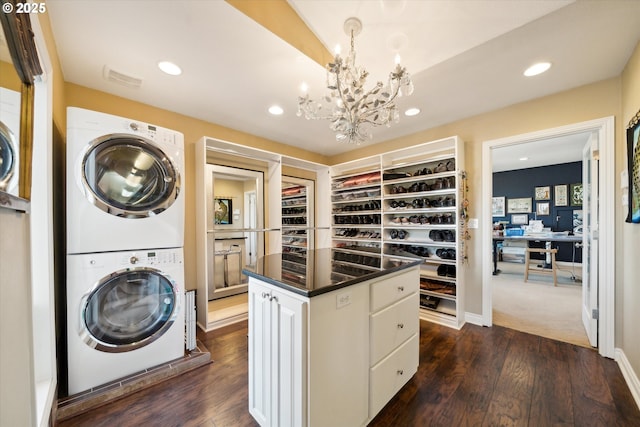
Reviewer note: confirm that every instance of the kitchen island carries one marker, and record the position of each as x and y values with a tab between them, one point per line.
332	338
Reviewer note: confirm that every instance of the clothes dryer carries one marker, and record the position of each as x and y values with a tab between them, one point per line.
9	140
124	314
124	184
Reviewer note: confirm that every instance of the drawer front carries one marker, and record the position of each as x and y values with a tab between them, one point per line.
393	325
391	289
388	376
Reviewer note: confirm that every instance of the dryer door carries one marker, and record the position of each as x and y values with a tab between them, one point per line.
128	309
8	163
129	176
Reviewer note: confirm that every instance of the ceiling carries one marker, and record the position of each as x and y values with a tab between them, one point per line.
466	57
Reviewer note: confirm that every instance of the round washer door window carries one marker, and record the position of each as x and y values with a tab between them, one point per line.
129	309
129	176
7	156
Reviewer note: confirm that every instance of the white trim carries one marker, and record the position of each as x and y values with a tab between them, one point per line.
606	133
629	375
474	319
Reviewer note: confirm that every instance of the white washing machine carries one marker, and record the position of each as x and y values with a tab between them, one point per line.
9	140
124	184
125	314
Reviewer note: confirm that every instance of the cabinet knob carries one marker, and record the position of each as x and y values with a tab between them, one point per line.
273	298
265	295
400	325
400	288
400	372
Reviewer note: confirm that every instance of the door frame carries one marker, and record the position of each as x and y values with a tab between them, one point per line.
605	127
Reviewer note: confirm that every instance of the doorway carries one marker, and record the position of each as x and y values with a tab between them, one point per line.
604	129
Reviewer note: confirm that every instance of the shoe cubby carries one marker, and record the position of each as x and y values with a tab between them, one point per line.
407	204
297	226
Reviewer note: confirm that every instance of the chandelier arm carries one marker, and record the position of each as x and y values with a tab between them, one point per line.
345	103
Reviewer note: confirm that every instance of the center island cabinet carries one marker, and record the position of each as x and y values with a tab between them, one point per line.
331	338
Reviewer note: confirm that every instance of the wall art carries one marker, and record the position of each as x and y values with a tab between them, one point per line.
222	209
521	205
543	193
633	165
497	206
560	195
520	219
576	194
542	208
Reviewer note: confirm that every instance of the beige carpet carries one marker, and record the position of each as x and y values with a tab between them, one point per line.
537	307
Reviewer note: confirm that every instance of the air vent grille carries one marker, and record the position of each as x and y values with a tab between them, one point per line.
121	78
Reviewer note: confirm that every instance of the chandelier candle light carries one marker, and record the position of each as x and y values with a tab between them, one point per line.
351	109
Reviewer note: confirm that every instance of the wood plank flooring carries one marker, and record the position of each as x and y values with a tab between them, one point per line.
473	377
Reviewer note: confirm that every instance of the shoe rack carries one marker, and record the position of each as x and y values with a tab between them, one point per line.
407	204
297	227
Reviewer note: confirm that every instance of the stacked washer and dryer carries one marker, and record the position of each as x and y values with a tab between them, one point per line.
125	237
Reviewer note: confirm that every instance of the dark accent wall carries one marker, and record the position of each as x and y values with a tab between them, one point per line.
523	182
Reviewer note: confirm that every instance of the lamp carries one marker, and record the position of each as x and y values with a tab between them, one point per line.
351	109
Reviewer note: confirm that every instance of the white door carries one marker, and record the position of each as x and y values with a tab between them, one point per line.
590	239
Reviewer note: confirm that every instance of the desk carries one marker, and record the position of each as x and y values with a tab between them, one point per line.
538	238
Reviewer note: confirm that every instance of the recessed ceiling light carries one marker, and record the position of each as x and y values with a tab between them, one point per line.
537	68
412	112
276	110
524	159
170	68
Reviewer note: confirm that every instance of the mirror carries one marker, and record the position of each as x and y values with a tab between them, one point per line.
19	65
10	86
235	238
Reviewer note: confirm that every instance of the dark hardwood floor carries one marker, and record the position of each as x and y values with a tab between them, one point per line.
473	377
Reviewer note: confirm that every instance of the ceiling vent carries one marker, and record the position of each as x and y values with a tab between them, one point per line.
121	78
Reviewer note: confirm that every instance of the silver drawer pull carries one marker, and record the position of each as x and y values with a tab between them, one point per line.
400	288
400	372
400	325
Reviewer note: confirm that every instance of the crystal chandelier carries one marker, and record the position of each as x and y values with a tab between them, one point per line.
351	108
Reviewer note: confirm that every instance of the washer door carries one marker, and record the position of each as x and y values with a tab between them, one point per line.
129	176
8	145
128	310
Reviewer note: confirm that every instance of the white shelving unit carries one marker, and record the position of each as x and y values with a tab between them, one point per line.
406	204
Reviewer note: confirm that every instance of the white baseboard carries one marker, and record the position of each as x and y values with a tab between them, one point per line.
475	319
629	375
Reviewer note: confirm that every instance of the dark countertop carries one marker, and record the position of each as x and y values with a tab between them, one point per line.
322	270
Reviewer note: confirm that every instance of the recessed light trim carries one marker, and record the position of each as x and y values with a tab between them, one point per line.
170	68
412	112
276	110
537	68
524	159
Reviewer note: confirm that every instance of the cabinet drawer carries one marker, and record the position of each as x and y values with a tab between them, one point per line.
393	325
391	289
388	376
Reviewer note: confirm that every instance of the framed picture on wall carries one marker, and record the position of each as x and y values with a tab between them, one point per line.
560	195
542	208
520	219
497	206
543	193
521	205
576	194
222	209
633	168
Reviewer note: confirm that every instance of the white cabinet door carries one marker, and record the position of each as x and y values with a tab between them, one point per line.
288	370
277	357
260	360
